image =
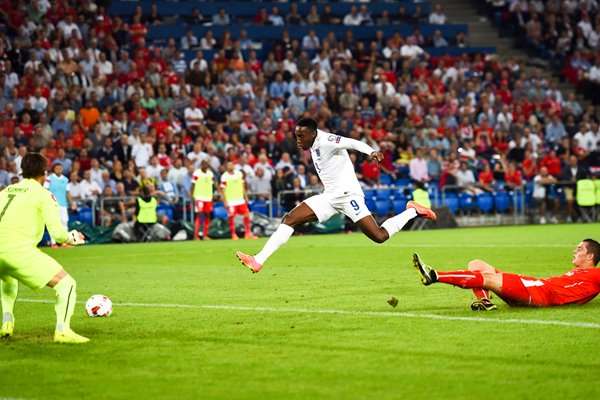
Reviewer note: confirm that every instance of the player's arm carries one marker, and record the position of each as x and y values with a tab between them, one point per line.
51	217
357	145
222	192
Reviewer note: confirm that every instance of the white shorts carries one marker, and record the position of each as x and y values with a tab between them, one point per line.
64	216
326	206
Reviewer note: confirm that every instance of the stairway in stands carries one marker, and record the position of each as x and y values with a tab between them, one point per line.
483	33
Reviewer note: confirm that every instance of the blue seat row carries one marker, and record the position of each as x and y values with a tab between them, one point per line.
251	8
360	33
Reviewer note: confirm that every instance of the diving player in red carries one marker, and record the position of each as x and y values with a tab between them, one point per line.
578	286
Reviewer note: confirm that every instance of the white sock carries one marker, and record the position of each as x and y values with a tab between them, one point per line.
277	239
395	224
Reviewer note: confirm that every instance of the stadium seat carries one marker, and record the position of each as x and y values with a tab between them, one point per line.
399	204
167	210
404	182
382	207
383	194
485	202
385	179
501	202
219	211
85	215
369	194
466	203
259	206
451	201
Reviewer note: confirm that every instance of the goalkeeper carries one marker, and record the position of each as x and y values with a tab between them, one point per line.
25	208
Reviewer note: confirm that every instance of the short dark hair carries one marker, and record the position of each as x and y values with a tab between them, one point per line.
34	165
593	247
309	123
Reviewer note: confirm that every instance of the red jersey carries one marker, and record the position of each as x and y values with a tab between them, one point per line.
578	286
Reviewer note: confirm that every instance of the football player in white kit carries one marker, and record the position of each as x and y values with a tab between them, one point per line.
342	194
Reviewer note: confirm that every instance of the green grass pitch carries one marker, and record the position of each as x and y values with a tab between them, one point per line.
190	322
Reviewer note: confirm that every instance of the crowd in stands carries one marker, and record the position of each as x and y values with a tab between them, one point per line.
86	89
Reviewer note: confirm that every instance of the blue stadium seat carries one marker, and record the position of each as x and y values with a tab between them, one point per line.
165	209
385	179
403	182
399	204
466	202
485	202
451	201
382	207
219	211
383	194
369	194
501	201
84	214
259	206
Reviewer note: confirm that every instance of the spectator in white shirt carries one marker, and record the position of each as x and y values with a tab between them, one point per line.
437	17
275	19
353	18
141	152
189	40
193	115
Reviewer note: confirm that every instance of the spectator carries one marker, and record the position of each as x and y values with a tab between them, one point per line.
437	17
189	40
353	18
543	194
221	18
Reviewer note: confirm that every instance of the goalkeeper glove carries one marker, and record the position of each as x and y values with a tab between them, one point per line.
75	238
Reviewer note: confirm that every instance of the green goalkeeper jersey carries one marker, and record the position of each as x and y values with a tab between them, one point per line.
25	208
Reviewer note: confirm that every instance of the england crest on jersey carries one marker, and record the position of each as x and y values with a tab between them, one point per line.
318	151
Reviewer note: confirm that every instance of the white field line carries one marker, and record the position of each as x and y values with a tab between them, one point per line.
419	245
391	314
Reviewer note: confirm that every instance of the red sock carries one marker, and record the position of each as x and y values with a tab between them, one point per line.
232	226
206	225
464	279
196	226
481	293
247	224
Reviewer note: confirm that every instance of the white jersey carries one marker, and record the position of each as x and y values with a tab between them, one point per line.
334	165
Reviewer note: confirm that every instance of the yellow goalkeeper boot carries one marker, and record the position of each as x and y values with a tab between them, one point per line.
7	329
69	336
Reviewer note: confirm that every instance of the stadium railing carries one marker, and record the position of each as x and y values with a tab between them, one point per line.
171	210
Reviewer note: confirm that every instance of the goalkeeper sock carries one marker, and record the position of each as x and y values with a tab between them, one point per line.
65	302
395	224
463	279
206	226
10	290
277	239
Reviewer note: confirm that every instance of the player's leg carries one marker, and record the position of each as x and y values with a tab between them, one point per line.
302	213
206	225
9	287
481	277
198	210
478	265
247	230
391	226
231	211
66	295
36	270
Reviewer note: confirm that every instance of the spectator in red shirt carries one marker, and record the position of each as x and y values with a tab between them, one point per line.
504	93
486	178
552	162
529	165
371	173
512	177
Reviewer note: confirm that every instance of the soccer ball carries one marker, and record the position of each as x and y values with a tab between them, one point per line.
98	306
